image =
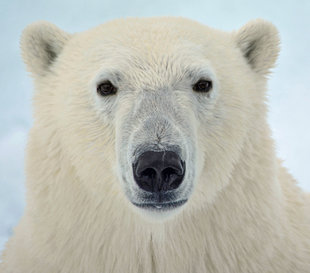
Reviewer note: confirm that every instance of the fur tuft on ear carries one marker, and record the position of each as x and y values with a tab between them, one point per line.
41	43
259	44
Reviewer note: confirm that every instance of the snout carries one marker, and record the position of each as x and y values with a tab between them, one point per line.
157	160
159	171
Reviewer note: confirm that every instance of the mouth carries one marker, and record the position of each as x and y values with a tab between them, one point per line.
159	206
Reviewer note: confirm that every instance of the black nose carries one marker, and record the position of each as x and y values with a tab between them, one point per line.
159	171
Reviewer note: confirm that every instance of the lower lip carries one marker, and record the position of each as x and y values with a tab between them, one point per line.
161	206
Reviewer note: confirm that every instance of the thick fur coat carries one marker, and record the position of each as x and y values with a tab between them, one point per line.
244	214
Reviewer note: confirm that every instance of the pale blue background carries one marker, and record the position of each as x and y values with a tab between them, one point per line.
289	89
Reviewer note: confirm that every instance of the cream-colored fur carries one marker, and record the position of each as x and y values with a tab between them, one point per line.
245	214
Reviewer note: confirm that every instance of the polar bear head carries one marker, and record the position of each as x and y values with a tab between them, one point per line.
153	112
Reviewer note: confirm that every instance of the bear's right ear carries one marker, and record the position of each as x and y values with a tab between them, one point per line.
41	43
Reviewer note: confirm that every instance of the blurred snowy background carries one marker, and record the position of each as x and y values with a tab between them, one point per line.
289	92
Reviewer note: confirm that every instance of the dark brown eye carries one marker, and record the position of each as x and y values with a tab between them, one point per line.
106	88
202	86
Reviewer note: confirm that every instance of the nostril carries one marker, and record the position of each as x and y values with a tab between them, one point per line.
172	177
167	173
146	179
148	173
178	170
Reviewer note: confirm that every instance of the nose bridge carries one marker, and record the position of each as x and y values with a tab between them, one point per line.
155	103
158	118
158	126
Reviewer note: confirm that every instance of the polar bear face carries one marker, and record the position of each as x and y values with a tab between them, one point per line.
153	111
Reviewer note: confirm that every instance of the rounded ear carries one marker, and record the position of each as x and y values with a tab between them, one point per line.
41	43
259	41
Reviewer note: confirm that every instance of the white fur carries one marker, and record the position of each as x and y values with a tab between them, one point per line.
245	212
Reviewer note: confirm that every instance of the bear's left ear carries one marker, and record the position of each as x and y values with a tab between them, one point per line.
41	43
259	41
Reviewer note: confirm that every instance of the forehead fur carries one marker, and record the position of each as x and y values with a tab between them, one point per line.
156	34
150	46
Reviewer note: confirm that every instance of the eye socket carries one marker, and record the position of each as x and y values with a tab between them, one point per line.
106	88
202	86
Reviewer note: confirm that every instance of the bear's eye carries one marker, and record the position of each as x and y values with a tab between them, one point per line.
202	86
106	88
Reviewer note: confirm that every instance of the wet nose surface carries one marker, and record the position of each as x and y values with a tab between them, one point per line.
159	171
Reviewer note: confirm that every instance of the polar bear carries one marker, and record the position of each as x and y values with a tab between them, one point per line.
151	153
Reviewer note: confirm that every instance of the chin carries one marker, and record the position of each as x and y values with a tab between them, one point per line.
159	212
